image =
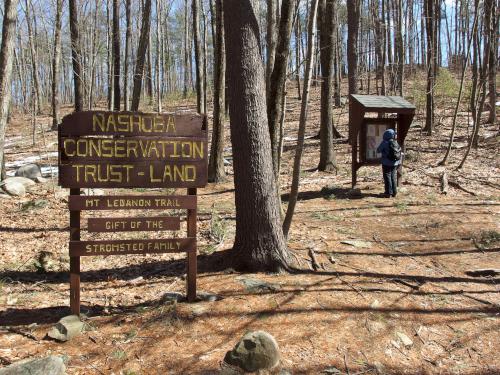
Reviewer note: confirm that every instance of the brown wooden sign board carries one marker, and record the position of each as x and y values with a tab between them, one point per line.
102	149
133	124
134	224
152	174
123	247
132	202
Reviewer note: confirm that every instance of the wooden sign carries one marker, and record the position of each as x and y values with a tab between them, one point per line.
132	202
101	149
123	247
130	150
136	224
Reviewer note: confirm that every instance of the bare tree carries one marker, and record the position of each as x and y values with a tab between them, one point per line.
76	55
200	105
278	77
259	244
6	62
353	13
56	64
294	192
128	50
327	160
216	172
272	21
492	8
116	54
141	55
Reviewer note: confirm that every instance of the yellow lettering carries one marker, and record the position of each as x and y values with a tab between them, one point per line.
171	125
98	121
65	146
123	123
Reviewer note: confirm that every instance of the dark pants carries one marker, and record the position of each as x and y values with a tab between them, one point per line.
390	179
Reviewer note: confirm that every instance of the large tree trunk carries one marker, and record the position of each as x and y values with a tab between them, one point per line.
278	78
198	57
327	160
76	55
128	50
6	61
56	65
259	244
141	55
216	172
116	54
353	13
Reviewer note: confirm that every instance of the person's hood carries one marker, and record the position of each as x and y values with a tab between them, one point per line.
389	134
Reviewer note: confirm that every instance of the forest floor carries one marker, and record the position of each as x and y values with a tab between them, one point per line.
403	277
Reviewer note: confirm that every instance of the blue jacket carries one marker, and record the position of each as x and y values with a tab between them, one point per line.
383	149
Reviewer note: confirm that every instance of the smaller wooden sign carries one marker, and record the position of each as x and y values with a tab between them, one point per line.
123	247
134	224
132	202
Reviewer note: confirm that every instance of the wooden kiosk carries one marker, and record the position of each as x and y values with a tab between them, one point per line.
365	133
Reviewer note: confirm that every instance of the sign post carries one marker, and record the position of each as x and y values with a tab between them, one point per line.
99	149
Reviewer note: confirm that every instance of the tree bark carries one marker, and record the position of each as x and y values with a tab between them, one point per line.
272	21
327	160
216	172
353	13
128	50
187	48
259	244
303	118
76	55
200	105
56	65
141	55
493	60
34	61
429	12
6	62
116	54
278	77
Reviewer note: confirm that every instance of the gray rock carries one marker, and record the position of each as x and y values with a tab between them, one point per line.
255	351
14	188
51	365
67	328
31	171
22	180
258	286
173	297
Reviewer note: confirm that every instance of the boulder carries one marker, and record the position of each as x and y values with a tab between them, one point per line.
22	180
255	351
31	171
67	328
51	365
14	188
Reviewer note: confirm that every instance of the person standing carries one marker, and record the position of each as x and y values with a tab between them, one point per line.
390	159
